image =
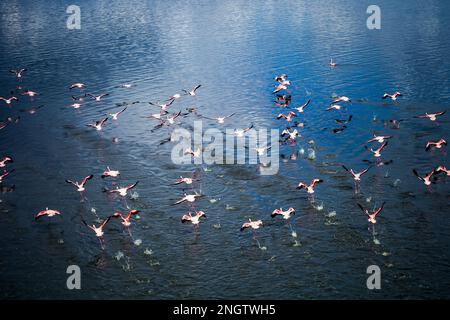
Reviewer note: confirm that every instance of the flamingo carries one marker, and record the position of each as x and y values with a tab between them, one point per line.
310	188
47	212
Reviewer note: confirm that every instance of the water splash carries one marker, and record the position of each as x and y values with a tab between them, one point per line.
134	195
332	214
119	255
311	154
319	207
263	248
297	243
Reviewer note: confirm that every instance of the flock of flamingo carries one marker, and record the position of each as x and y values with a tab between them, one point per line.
289	135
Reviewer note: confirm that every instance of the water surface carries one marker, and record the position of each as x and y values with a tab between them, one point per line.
234	49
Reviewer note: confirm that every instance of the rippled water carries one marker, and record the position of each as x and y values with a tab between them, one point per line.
234	49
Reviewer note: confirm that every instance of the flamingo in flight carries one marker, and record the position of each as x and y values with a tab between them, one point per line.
75	105
192	92
241	132
195	220
283	104
310	188
393	96
168	120
377	152
110	173
77	85
122	191
5	160
261	150
379	139
158	116
443	169
98	125
18	73
5	174
115	115
334	107
254	225
288	117
189	198
431	116
285	214
372	214
98	97
356	175
280	78
221	120
280	87
435	144
292	134
425	179
125	219
47	212
303	106
195	154
79	98
341	99
182	179
174	97
99	231
80	186
29	93
163	106
9	100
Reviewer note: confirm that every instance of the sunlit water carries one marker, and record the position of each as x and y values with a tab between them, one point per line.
234	49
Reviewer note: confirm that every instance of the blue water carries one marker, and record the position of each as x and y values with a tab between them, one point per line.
234	49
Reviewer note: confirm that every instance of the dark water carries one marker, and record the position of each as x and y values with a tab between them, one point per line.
233	48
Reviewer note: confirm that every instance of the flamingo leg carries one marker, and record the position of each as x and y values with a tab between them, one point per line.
129	232
100	239
125	202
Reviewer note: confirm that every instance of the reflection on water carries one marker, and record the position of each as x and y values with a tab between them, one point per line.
233	49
